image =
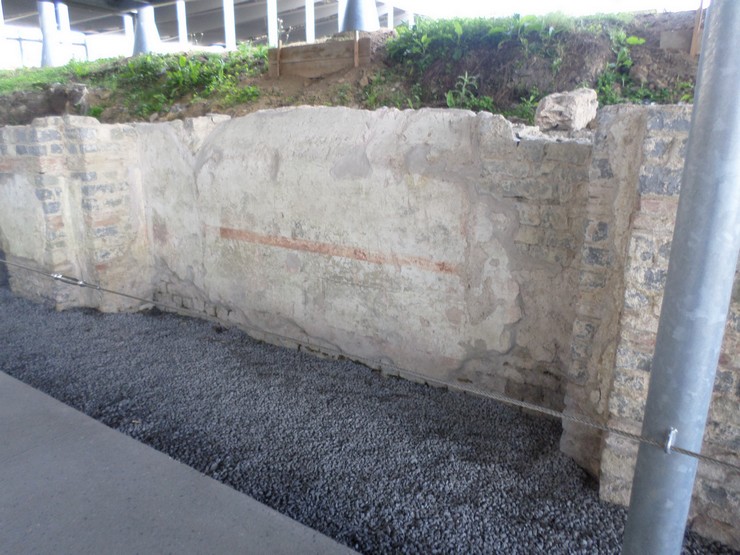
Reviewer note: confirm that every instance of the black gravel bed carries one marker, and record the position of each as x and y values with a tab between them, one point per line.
380	464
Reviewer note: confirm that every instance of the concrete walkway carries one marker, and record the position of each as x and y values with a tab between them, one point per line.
69	484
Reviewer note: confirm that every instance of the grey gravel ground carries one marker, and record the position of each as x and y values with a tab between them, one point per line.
382	465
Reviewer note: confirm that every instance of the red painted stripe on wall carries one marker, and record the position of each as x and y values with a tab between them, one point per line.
328	249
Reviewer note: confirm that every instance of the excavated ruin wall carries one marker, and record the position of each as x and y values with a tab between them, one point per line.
660	136
433	243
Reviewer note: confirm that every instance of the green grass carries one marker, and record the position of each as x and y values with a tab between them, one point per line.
26	79
154	82
29	79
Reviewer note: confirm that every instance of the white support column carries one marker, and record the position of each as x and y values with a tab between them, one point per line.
229	25
272	24
128	32
2	22
146	35
182	24
310	22
341	8
391	16
48	24
65	32
410	19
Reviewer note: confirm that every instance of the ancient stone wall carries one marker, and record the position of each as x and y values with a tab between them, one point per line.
432	242
611	202
72	203
716	503
436	244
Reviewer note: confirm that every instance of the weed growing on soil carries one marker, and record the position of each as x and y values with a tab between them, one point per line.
155	81
527	107
501	65
420	50
389	88
152	83
39	77
465	95
616	85
343	95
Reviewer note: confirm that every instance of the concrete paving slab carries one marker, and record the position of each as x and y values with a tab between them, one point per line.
69	484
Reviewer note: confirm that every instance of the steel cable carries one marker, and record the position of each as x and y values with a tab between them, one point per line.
666	445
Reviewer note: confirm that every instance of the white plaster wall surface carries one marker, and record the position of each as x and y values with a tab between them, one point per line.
433	241
348	228
21	217
381	235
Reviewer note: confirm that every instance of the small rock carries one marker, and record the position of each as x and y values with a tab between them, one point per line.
569	111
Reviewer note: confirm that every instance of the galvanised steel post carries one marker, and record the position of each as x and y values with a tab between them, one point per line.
698	289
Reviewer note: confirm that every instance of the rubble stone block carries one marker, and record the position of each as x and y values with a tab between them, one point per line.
568	111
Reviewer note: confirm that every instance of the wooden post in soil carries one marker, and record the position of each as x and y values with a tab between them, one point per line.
696	36
357	49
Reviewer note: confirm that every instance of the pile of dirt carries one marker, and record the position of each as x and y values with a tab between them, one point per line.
22	107
509	75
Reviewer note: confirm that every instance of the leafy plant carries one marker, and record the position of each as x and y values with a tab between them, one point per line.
95	111
615	84
388	88
527	106
156	81
343	95
465	95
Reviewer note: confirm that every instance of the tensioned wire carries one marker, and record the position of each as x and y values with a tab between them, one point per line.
666	445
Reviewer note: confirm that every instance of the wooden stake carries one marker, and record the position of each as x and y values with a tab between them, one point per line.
696	37
279	49
357	49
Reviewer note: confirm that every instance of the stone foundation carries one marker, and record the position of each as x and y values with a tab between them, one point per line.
436	243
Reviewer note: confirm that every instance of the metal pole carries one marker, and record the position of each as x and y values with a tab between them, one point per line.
48	24
229	25
146	36
272	24
310	22
182	24
698	289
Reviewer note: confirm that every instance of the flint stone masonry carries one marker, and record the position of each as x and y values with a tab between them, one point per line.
434	244
715	508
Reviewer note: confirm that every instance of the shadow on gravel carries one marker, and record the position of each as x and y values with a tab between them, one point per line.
382	465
